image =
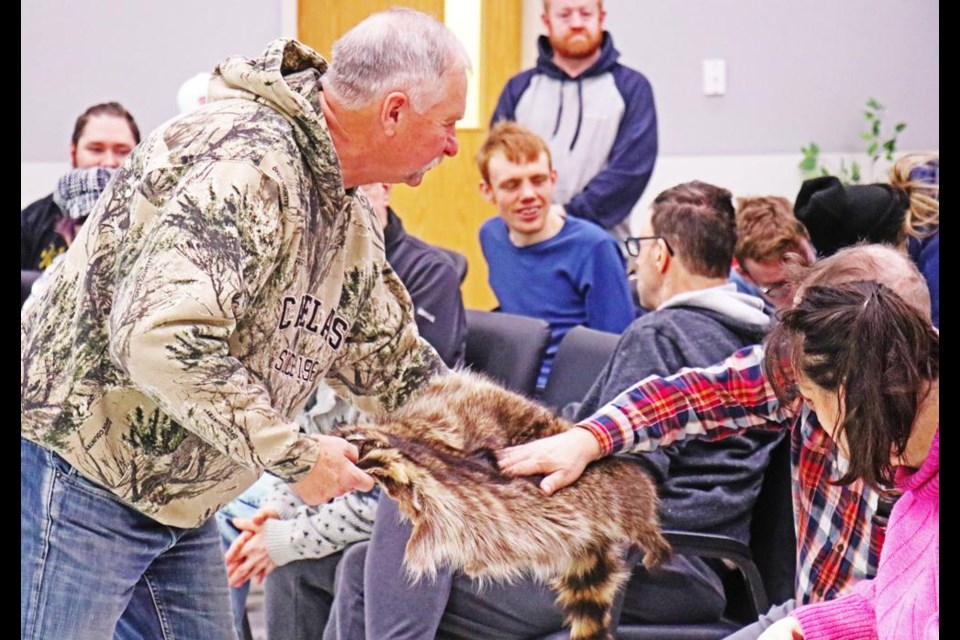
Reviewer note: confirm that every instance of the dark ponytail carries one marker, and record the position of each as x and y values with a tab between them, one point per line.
863	342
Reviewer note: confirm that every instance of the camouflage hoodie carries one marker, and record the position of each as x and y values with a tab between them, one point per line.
222	275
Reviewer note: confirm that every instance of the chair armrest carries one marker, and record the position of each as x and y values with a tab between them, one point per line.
707	545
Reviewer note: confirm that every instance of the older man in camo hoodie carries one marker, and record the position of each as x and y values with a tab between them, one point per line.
228	269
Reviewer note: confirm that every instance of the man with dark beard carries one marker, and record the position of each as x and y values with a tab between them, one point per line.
597	116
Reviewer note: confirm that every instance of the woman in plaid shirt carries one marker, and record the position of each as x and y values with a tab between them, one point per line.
838	537
869	363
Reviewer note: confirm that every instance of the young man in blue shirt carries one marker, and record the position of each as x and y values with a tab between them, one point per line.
541	263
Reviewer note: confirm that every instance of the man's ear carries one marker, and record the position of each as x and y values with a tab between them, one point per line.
663	256
73	155
393	111
486	191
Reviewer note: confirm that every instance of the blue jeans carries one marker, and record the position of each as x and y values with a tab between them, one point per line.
92	567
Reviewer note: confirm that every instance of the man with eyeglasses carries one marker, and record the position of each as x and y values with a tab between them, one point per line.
769	240
697	317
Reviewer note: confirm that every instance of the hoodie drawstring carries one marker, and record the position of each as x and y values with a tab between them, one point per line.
556	126
576	133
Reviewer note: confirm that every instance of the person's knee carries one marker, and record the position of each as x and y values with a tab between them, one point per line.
350	571
293	579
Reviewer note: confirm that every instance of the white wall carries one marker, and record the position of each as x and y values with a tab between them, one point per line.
796	72
74	54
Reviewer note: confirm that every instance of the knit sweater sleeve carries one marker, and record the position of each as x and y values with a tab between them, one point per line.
316	532
216	240
850	617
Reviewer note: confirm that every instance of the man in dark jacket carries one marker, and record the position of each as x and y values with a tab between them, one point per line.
430	277
682	257
597	115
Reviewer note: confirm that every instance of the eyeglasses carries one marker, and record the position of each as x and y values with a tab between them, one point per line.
633	244
777	291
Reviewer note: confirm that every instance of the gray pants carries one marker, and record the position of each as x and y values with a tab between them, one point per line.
374	599
777	612
298	598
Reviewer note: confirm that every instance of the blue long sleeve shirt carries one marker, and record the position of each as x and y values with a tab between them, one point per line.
575	278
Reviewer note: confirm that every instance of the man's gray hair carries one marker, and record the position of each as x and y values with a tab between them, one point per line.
399	49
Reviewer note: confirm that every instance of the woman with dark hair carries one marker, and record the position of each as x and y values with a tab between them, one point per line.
869	365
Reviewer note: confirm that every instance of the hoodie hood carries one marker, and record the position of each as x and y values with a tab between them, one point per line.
728	305
286	77
607	61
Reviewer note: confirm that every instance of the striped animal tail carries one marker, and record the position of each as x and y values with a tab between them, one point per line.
587	591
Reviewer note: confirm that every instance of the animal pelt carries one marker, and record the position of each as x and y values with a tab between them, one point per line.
435	456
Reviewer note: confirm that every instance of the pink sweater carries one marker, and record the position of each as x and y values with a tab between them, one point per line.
903	601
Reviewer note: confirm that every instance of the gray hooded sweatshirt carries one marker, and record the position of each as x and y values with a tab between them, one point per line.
708	487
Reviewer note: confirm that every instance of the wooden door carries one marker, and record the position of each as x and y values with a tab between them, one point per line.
446	209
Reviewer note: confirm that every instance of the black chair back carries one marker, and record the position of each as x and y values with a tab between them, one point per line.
580	358
507	347
773	534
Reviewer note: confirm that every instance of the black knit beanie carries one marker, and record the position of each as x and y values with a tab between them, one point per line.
839	216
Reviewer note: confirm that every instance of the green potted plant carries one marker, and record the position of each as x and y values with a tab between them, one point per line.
879	145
